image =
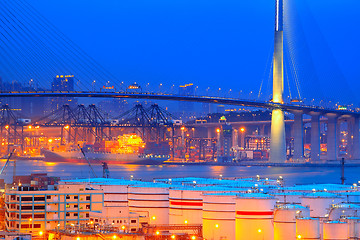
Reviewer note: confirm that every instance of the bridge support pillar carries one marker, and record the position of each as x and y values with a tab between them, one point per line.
298	131
315	137
277	143
356	139
332	147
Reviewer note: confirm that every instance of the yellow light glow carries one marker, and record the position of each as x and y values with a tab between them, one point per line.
182	128
193	237
77	238
216	225
7	127
186	221
67	127
299	236
153	218
218	130
50	140
114	237
30	127
157	232
173	236
41	233
259	230
123	227
242	129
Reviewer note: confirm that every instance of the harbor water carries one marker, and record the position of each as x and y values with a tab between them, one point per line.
291	175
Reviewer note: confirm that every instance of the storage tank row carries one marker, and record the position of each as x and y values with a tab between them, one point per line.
251	208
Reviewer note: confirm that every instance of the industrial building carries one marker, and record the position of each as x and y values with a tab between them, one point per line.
32	210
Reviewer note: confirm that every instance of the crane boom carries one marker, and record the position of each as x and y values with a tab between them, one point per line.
6	163
82	151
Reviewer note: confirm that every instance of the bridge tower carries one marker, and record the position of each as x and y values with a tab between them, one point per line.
278	142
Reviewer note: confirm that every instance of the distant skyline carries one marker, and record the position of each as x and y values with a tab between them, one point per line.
216	44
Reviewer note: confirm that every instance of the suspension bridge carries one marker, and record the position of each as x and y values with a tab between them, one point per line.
28	41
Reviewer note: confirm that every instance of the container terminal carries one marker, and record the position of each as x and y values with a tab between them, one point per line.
182	208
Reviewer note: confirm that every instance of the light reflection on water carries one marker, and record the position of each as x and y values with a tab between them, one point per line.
292	175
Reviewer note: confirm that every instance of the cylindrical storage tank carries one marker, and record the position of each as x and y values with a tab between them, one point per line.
343	210
254	216
335	230
150	200
285	220
353	227
219	216
289	197
352	197
186	204
115	195
320	202
307	228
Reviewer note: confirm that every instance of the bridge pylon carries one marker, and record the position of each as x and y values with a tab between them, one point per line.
278	140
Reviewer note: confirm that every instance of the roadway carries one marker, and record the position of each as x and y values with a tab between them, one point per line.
173	97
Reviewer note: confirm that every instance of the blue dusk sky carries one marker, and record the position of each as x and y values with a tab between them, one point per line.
223	44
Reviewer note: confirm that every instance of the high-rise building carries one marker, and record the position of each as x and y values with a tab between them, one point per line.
62	83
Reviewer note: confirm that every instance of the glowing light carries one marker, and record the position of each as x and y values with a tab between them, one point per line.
186	221
77	238
67	127
41	233
216	225
193	237
7	127
91	222
30	127
157	232
173	236
50	140
114	237
153	218
122	227
242	129
299	236
182	128
259	230
218	130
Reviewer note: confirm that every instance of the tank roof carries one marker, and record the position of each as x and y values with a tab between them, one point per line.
319	187
346	205
290	206
320	195
255	195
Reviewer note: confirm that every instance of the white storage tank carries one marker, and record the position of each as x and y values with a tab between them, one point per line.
343	210
219	216
308	228
186	203
285	220
114	195
288	197
150	200
354	227
254	216
335	230
320	202
351	197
